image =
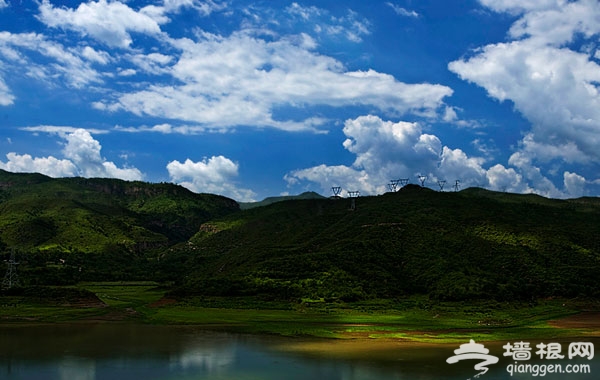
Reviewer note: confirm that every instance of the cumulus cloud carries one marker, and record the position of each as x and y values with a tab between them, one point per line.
49	166
557	25
81	158
574	184
386	151
108	22
506	179
551	82
556	89
240	80
214	175
3	4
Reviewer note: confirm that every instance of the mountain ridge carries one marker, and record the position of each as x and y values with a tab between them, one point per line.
464	245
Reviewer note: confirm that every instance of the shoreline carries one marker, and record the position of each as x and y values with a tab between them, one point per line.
433	323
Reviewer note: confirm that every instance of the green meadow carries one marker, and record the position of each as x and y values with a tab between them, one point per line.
415	320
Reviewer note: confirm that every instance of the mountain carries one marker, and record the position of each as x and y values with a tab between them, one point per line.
472	244
39	213
451	245
270	200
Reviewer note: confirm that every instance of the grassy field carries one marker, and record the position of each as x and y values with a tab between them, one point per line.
412	320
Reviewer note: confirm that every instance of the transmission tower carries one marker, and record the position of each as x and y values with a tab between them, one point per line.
422	178
441	184
336	191
457	185
393	185
353	195
11	278
403	181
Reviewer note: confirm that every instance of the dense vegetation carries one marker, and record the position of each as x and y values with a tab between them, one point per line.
473	244
452	246
71	229
270	200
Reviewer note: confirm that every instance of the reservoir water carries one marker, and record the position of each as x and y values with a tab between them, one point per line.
106	351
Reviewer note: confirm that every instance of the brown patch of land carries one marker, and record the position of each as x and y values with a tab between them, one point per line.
583	320
163	302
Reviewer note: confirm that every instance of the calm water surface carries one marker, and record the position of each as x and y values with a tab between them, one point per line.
119	351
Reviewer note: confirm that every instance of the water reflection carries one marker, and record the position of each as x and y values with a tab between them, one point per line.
77	369
119	351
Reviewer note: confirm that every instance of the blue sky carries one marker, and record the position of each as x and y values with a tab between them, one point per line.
251	99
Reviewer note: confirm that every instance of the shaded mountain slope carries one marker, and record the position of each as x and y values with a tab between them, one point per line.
456	246
270	200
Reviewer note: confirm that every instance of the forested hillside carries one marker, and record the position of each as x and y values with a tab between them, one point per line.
472	244
452	246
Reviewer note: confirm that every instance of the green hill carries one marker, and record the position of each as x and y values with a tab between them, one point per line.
81	220
454	246
472	244
270	200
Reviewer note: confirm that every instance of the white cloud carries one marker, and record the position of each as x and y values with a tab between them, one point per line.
153	63
241	80
386	151
305	13
349	26
166	128
520	6
60	129
402	11
554	87
49	166
574	184
214	175
160	13
108	22
81	158
92	55
350	179
455	164
3	4
503	179
559	25
6	96
532	174
126	72
66	64
550	83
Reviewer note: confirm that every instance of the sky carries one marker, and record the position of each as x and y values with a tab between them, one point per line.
250	99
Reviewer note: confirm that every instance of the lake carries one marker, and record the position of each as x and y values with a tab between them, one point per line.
112	351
